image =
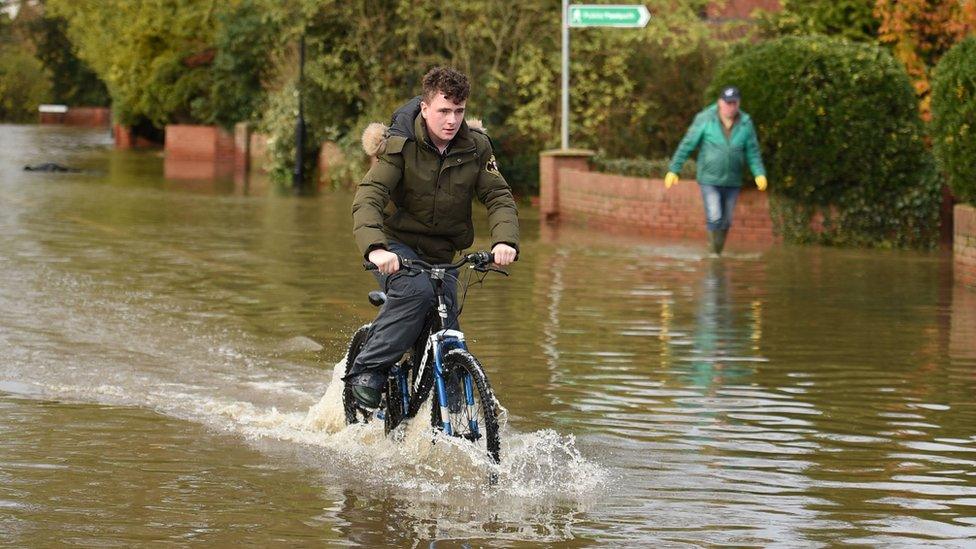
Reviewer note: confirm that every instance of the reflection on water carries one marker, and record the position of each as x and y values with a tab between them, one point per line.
168	350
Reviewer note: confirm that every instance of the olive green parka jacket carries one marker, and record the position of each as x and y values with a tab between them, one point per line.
416	196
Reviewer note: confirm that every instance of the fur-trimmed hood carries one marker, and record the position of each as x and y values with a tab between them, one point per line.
402	125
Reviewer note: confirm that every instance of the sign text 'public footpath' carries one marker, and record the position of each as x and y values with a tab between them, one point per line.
615	15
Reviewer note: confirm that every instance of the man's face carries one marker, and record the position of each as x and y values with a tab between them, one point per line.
443	118
728	109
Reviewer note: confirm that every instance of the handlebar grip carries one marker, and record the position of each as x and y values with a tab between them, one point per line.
370	266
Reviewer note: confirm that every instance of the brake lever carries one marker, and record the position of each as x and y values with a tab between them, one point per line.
485	267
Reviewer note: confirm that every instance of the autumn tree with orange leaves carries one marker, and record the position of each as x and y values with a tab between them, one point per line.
919	32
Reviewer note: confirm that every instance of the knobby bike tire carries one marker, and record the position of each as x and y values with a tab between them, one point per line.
456	362
354	413
394	406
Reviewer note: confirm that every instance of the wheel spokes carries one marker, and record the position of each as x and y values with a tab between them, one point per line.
465	408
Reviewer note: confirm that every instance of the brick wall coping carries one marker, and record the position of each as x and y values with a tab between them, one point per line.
568	152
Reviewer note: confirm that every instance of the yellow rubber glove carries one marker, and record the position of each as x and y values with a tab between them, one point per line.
670	179
761	182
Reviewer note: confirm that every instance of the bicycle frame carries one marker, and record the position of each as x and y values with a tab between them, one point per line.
438	344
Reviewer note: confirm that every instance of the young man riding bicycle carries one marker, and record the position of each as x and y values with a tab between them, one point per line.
430	165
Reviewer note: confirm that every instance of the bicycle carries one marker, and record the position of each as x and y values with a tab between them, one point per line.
465	405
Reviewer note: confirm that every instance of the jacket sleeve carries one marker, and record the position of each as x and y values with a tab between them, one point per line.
689	143
372	196
493	191
753	156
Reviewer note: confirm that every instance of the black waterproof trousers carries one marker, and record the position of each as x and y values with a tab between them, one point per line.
409	296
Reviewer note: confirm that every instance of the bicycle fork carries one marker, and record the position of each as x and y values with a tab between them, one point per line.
443	341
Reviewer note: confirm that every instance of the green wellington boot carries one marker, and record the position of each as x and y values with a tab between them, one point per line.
720	240
713	248
367	397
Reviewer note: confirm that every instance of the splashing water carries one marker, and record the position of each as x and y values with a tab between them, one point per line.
541	464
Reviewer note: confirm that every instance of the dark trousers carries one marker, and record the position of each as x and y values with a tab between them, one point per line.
409	296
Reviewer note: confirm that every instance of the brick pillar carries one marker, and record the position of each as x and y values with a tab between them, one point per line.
330	155
242	148
258	152
123	136
550	164
964	244
198	152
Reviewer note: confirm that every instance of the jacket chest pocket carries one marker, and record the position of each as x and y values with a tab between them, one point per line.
459	177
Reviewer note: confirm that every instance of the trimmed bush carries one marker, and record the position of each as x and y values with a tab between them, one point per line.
840	133
954	118
641	167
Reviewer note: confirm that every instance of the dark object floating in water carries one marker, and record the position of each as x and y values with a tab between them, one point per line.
49	167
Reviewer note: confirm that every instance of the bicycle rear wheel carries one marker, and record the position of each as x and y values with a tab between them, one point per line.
467	409
354	412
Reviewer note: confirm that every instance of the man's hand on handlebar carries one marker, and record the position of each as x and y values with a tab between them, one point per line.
504	254
386	261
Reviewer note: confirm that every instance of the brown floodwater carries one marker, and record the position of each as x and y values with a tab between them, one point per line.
167	351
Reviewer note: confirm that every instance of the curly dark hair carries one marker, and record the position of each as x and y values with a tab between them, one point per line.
451	82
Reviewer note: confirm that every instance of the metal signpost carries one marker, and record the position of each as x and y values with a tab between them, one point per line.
594	15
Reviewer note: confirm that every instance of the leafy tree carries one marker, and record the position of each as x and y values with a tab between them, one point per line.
24	82
183	61
851	19
73	82
247	36
954	117
151	55
919	32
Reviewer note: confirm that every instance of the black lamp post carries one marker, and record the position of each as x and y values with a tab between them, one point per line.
298	174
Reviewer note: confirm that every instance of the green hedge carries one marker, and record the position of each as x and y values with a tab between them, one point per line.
954	118
641	167
840	133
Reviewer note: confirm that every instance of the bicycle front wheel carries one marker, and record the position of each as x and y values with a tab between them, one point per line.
464	404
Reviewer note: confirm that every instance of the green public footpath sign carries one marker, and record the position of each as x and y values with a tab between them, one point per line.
613	15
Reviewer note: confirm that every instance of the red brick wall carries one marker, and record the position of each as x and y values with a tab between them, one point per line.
89	117
962	343
194	152
964	244
551	165
125	138
740	9
188	142
644	206
51	118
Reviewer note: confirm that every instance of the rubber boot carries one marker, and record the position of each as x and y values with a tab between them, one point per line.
713	248
367	397
720	240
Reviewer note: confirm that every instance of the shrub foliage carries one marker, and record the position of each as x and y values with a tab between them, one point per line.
841	136
954	118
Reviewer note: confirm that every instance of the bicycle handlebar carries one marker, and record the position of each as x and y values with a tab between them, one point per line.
481	261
